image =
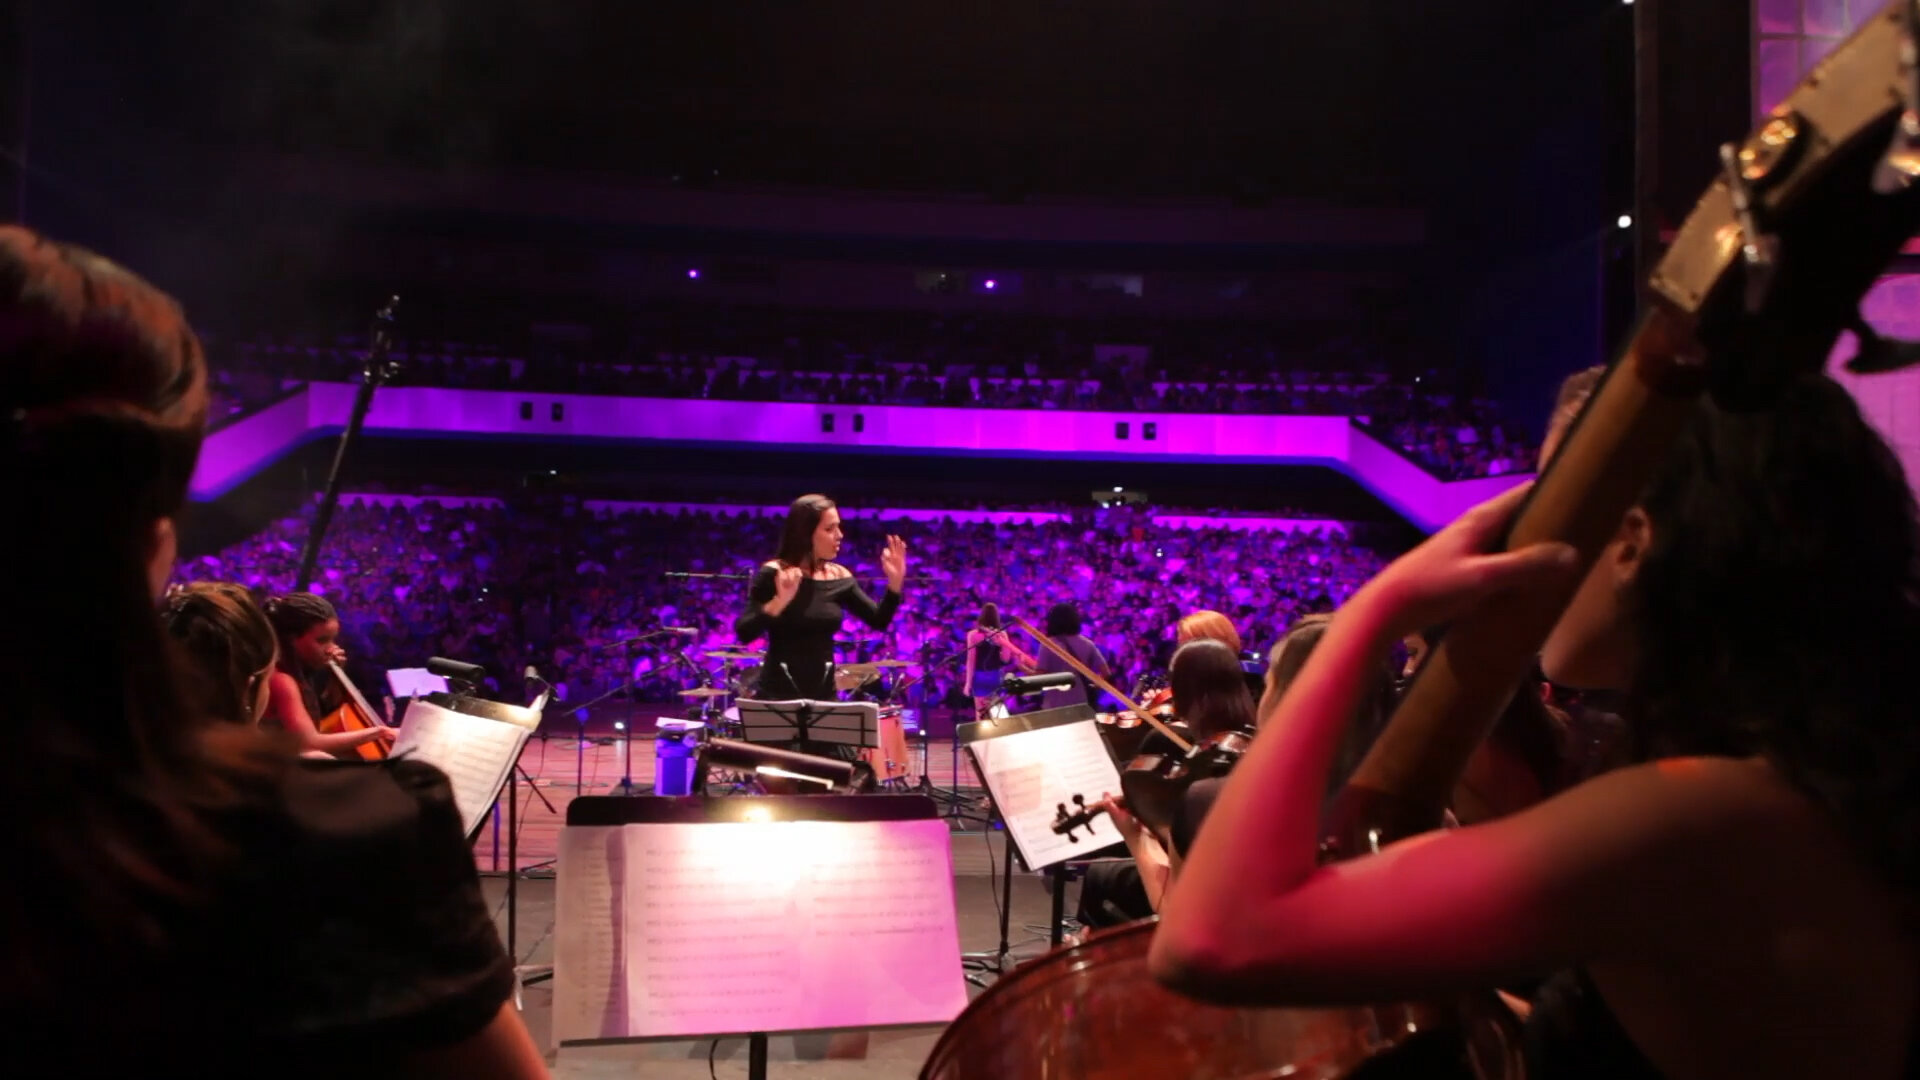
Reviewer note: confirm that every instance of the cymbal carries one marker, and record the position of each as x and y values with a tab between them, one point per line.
856	671
705	691
891	663
736	654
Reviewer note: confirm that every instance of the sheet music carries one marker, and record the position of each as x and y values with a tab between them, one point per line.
415	682
590	989
1030	773
772	926
848	723
476	753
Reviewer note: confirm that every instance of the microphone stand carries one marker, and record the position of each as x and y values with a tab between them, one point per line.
626	786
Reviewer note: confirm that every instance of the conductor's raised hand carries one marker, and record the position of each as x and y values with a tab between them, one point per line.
786	584
894	562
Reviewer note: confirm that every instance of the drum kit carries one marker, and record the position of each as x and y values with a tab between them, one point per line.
740	678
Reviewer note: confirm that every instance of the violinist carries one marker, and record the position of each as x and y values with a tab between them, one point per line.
1205	625
990	651
1210	694
1736	903
1283	666
309	632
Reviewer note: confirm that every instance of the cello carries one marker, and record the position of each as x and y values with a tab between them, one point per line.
1755	289
354	714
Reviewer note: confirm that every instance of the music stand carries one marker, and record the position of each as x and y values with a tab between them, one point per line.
688	886
476	767
1090	763
793	724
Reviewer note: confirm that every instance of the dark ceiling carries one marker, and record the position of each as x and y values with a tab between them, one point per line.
1360	100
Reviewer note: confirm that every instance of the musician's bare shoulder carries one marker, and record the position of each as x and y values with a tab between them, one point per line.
835	572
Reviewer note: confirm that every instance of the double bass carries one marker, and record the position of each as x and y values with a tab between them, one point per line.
1759	282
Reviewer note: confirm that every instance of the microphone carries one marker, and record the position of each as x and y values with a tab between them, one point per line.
1027	684
456	669
791	681
532	675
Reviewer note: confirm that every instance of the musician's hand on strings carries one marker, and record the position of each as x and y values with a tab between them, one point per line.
894	562
381	733
1115	807
336	654
1451	573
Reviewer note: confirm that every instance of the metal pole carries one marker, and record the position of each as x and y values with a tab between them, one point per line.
377	371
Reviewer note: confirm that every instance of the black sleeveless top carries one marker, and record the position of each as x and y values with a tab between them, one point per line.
986	654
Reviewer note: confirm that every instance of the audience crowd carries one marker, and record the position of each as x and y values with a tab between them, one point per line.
542	581
955	361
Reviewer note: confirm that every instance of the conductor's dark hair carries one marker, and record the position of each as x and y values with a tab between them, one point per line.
796	537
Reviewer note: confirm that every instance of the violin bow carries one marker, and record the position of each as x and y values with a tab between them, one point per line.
1082	670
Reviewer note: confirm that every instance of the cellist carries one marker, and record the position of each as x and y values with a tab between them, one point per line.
1733	904
309	633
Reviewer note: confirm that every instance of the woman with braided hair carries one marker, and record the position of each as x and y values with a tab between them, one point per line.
309	633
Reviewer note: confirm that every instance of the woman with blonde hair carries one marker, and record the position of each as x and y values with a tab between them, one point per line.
229	643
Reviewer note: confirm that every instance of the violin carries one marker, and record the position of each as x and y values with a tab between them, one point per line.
1153	784
1067	822
1754	290
1155	780
1155	693
1155	789
354	714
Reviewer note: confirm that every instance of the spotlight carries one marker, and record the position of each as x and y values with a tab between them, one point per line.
619	725
693	273
1625	221
991	284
